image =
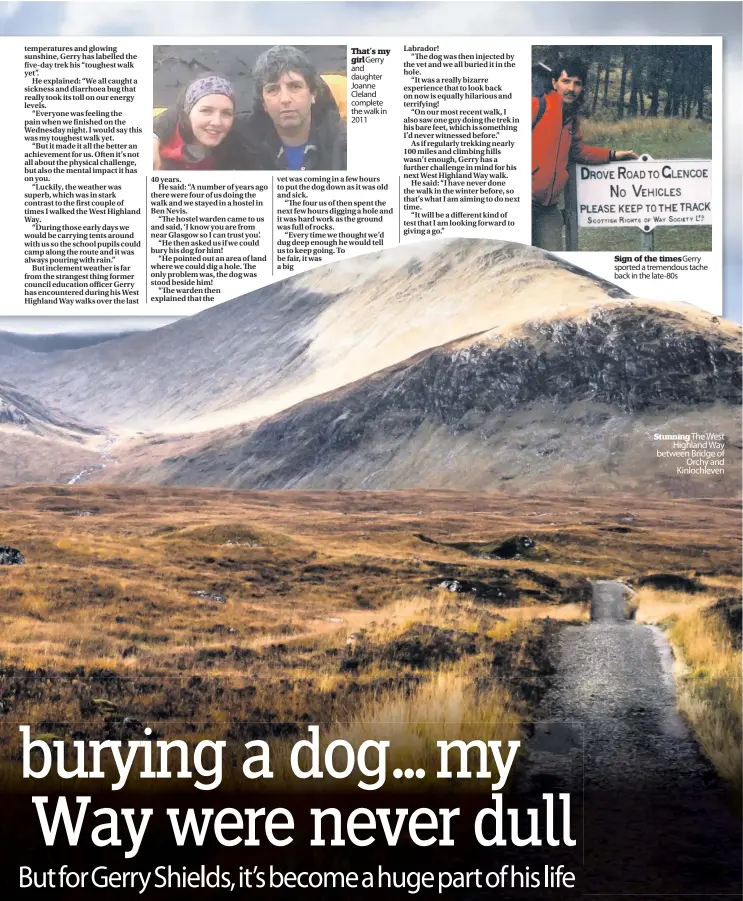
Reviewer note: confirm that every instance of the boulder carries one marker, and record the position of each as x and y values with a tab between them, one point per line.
9	556
209	596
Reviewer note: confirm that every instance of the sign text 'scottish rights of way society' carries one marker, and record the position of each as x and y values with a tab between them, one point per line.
641	194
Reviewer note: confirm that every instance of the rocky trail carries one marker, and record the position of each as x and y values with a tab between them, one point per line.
656	816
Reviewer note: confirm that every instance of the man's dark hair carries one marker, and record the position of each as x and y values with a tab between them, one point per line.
274	62
573	67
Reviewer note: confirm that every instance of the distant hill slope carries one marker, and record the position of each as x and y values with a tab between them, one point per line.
17	408
314	332
467	364
565	403
47	343
38	444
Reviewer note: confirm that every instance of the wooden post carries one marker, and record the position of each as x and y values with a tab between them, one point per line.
571	211
647	240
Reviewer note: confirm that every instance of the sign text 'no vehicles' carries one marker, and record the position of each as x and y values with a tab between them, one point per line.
645	194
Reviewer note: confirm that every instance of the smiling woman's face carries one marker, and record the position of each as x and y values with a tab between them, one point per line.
211	119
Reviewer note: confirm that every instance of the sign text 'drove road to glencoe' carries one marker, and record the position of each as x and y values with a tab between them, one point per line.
645	193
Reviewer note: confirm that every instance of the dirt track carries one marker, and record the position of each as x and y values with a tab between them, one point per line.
657	817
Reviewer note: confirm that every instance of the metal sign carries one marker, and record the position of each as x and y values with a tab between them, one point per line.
645	193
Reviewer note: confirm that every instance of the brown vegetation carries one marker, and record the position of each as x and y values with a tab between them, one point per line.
707	646
246	614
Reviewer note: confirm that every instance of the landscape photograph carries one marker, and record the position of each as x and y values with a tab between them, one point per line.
459	489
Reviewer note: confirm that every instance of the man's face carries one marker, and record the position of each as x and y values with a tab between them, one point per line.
288	102
569	87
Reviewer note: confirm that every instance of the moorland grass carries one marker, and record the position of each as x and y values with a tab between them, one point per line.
709	679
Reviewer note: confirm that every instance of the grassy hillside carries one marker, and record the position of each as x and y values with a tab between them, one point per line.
213	614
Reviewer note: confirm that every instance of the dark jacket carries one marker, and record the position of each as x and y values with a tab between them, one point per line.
253	143
556	141
326	145
232	153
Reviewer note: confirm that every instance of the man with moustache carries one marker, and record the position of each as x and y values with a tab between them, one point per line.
556	141
295	124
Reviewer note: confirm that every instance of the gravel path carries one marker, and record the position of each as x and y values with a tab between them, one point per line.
657	817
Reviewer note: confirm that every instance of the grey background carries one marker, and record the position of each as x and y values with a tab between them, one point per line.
174	66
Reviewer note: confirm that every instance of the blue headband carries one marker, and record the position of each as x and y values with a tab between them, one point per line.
209	84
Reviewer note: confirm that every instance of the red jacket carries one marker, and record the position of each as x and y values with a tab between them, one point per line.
554	144
172	154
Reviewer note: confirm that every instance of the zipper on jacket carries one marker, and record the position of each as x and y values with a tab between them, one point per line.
557	157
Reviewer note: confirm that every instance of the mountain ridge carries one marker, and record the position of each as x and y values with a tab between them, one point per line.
464	364
256	354
595	367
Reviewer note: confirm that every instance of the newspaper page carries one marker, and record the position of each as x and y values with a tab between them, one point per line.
370	449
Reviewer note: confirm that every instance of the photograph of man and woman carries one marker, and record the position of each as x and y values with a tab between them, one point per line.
284	108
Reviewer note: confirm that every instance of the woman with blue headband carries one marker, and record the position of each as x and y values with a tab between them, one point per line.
198	133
